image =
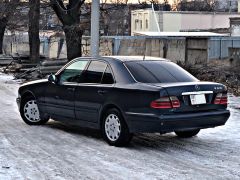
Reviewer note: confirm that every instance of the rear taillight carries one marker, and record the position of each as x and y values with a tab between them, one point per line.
166	103
221	99
175	102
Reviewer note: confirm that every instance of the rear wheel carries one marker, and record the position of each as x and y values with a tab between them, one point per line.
30	113
114	129
187	134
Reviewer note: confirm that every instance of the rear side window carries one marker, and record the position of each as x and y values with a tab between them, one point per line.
158	72
107	77
94	73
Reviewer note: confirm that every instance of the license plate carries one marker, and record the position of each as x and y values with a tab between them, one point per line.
197	99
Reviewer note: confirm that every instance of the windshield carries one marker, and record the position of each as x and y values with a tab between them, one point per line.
158	72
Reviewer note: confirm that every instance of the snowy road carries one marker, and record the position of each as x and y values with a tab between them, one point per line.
57	151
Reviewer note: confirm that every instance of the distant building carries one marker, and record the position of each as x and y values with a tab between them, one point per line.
176	21
239	6
235	26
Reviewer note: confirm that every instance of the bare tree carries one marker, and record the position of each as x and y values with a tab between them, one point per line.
162	5
33	31
194	5
114	17
69	15
7	8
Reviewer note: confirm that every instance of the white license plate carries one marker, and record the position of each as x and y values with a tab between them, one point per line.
197	99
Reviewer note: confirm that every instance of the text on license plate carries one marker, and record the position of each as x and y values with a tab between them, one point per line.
197	99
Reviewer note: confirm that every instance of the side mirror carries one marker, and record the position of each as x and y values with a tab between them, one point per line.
52	78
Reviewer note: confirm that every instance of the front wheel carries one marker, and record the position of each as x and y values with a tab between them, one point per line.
187	134
30	113
114	129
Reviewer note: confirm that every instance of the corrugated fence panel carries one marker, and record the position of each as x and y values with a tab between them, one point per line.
213	49
218	47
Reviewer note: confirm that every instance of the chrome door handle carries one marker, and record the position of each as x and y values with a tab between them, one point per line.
71	88
101	92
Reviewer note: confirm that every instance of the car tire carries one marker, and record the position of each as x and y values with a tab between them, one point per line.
30	113
187	134
114	129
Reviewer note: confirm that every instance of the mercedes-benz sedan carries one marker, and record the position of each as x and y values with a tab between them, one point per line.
124	95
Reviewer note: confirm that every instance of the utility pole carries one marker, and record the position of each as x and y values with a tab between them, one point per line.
155	17
95	28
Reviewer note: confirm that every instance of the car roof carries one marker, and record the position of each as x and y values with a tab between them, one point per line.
135	58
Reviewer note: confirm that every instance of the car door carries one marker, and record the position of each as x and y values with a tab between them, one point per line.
94	88
60	96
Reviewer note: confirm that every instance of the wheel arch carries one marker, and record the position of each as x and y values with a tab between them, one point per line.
106	108
27	93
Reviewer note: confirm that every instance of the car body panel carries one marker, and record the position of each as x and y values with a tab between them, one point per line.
169	123
59	100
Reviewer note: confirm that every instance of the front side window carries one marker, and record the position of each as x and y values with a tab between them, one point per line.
73	72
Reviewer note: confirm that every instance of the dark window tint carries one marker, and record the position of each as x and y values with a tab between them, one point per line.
72	72
94	73
107	77
158	72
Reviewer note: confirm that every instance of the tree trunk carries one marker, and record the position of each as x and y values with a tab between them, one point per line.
73	36
33	31
3	24
69	16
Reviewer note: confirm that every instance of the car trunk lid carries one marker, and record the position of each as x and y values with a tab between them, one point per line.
194	96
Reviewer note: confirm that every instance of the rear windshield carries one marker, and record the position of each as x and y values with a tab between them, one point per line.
158	72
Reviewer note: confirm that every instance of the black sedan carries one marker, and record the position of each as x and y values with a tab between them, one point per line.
122	95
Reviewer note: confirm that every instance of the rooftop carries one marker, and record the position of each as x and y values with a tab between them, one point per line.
187	12
180	34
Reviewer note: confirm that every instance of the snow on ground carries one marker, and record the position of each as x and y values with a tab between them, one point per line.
57	151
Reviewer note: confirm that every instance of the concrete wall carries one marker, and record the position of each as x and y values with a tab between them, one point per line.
172	22
186	49
197	51
129	46
19	44
206	21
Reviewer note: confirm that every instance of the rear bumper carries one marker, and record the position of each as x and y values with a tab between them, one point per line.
139	122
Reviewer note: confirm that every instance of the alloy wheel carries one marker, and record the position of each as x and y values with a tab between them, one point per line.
31	111
112	127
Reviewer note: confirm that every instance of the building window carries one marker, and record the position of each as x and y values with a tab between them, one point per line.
135	24
146	25
141	24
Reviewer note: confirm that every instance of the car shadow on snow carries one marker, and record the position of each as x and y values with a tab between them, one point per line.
73	129
140	141
199	145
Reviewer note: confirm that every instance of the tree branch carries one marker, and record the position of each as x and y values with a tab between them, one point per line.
59	8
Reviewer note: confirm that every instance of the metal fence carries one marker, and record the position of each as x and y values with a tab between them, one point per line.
218	47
